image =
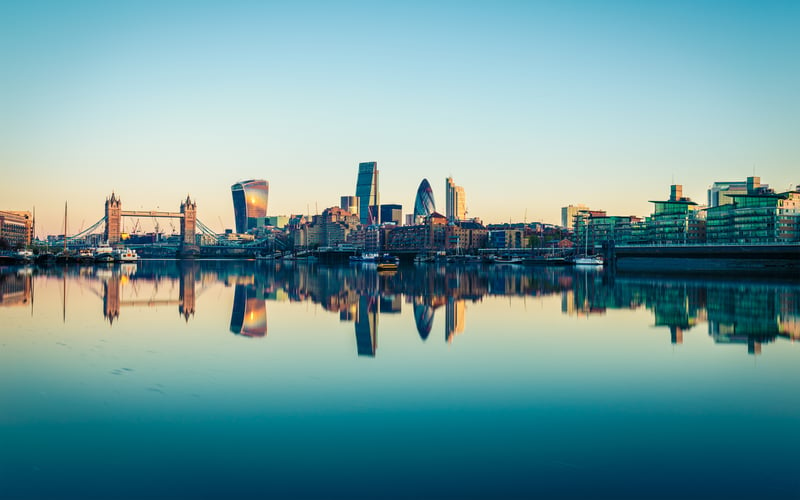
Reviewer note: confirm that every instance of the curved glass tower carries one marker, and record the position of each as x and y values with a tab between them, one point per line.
424	204
250	204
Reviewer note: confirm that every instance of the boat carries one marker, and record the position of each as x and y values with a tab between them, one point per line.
85	255
365	257
589	260
24	256
507	259
586	259
103	253
125	255
387	262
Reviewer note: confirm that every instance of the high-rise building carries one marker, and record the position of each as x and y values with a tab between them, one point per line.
568	214
349	203
250	204
424	205
367	192
392	213
456	201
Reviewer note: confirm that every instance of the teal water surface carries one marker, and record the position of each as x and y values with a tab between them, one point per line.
213	378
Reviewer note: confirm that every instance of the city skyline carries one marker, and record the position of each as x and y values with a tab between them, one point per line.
531	107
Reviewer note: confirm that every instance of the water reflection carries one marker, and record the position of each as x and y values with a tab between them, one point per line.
750	313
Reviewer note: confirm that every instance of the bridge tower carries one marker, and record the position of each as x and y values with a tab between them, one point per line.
113	230
188	222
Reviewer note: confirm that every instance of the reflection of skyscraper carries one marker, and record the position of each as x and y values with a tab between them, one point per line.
367	326
249	315
456	201
454	318
367	192
250	204
424	204
423	317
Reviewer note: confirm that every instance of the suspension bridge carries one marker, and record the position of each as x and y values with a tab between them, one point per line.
195	237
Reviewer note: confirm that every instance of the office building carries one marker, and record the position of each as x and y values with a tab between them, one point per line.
367	192
349	203
721	193
16	228
676	220
392	214
568	214
456	201
424	205
250	204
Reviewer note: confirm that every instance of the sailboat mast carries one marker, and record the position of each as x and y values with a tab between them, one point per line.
65	228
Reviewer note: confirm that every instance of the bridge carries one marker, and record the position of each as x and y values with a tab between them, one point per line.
190	227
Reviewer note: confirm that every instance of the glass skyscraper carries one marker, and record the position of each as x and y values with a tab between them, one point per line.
250	204
424	204
367	192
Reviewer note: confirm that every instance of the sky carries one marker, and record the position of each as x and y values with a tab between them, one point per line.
530	106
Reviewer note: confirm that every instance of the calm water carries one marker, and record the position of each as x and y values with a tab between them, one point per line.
222	379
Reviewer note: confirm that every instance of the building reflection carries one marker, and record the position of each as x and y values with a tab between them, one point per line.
750	314
16	288
249	315
366	326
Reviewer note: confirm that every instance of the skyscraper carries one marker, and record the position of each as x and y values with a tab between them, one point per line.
367	192
456	201
424	204
250	204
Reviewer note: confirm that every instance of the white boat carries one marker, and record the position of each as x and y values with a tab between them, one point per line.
24	256
589	260
125	255
85	255
507	259
365	257
103	253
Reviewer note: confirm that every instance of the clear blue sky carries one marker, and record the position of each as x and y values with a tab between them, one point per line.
530	106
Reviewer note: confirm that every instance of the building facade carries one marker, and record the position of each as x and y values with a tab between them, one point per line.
16	228
568	214
367	193
392	214
456	201
676	220
250	204
424	204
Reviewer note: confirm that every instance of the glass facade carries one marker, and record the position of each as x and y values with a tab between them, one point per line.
367	192
424	205
250	204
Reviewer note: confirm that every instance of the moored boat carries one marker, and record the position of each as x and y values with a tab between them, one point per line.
125	255
589	260
103	253
387	262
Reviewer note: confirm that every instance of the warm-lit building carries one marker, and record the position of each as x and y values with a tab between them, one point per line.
568	214
16	227
250	204
456	201
431	235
